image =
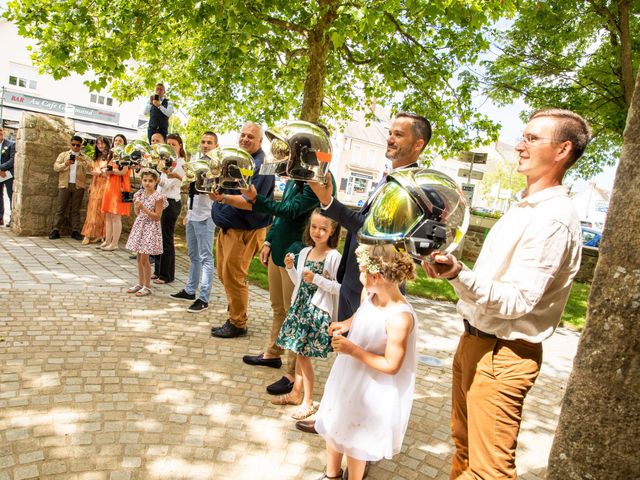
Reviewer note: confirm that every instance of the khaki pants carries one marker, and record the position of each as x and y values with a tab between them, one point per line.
235	248
491	378
280	290
69	198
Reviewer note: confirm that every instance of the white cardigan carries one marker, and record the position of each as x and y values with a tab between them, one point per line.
327	294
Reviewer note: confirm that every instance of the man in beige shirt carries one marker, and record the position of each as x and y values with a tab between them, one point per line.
72	167
513	299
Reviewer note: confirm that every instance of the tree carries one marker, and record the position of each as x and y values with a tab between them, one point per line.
578	55
597	435
229	60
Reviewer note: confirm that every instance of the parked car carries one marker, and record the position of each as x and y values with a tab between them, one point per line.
591	237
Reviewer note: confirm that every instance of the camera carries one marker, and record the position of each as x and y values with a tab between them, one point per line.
156	97
127	197
109	168
72	157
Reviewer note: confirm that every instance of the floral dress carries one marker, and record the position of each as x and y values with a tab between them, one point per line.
304	330
146	234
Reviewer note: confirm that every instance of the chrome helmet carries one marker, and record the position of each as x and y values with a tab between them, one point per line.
134	153
162	157
299	150
232	167
419	211
198	170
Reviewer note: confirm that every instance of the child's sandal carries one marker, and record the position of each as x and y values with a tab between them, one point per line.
304	411
327	477
143	292
135	289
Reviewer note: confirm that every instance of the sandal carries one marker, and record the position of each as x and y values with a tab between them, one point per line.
327	477
135	289
154	277
143	292
159	281
86	241
304	411
286	399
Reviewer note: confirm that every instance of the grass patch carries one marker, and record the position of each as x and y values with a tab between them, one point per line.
258	274
575	313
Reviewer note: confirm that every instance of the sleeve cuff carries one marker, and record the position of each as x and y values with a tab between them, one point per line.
325	207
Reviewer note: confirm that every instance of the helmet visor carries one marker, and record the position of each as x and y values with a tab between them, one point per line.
392	215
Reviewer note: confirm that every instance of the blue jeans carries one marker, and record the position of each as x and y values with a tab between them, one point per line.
200	249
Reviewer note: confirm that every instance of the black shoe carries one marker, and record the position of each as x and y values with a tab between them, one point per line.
9	224
76	235
228	330
135	255
183	295
306	426
281	387
259	360
198	306
54	235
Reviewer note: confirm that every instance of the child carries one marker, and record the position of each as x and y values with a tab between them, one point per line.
146	235
314	305
367	398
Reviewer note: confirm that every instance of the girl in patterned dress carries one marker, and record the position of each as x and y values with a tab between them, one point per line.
314	305
146	235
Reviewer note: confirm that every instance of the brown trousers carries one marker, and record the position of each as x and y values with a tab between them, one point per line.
69	198
491	378
280	290
235	248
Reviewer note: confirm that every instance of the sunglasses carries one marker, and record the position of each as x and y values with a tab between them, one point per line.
76	144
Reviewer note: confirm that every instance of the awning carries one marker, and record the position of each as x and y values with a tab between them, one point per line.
93	130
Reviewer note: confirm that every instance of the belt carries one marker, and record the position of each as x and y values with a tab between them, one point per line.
471	330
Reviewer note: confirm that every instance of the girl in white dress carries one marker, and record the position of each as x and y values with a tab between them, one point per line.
368	396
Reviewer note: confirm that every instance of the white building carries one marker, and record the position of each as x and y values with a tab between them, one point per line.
592	205
23	88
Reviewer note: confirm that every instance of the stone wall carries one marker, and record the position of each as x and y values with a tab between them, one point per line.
39	141
590	258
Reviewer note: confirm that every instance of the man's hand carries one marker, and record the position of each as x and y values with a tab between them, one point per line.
155	102
264	255
250	193
3	173
216	197
443	266
323	192
308	275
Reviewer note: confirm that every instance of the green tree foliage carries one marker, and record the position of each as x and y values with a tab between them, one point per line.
505	176
578	55
229	60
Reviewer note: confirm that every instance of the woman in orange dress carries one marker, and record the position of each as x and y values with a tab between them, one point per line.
94	222
112	205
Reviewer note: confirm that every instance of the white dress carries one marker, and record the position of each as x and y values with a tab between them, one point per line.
364	413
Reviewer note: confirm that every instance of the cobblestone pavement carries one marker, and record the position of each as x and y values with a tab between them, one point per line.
98	385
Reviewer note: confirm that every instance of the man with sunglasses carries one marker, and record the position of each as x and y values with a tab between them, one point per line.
513	298
72	167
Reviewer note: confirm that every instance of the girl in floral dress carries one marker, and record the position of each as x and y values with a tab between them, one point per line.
146	235
314	305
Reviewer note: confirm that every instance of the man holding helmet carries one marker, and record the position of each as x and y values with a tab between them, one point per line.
240	237
513	298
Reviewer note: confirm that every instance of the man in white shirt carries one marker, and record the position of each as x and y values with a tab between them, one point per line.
72	167
513	298
199	231
159	110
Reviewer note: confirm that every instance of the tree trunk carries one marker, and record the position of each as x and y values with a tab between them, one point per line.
319	45
626	59
598	431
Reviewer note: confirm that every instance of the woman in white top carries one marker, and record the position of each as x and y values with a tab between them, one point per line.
170	184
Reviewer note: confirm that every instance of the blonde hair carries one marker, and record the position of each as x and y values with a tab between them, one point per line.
391	264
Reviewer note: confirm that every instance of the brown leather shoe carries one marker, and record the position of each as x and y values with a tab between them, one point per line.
306	426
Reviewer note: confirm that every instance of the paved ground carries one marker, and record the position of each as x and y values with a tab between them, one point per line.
96	384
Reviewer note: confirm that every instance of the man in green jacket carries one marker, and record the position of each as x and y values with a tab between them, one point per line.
285	236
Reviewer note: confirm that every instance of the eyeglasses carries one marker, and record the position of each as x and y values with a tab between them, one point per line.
531	140
76	144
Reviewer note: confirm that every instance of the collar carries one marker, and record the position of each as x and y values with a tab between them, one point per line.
541	196
411	165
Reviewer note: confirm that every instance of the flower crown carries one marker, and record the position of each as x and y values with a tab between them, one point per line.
363	258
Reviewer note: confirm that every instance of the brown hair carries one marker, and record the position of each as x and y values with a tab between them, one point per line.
334	238
393	265
571	127
178	138
420	127
149	171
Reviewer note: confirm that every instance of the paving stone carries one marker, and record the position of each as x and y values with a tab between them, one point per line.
97	384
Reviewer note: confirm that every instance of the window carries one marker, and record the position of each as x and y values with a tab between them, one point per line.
101	99
356	153
359	184
371	158
23	76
